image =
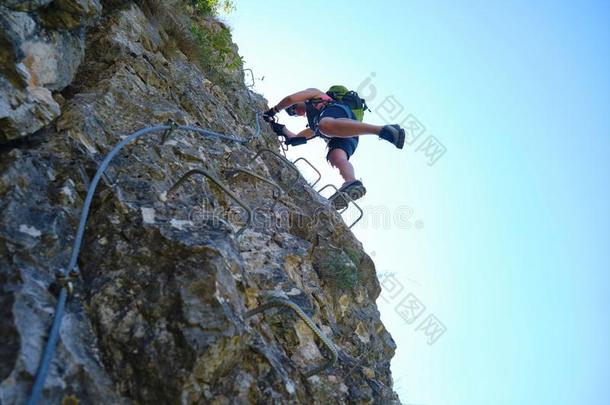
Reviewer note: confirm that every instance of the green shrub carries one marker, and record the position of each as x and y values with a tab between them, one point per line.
217	56
354	255
213	7
336	268
193	29
343	278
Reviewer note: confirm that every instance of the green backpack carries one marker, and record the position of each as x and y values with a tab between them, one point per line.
349	98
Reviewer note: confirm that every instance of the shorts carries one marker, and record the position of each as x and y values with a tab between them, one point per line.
348	145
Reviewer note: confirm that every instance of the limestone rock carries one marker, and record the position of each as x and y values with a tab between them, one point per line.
25	5
158	314
70	14
41	47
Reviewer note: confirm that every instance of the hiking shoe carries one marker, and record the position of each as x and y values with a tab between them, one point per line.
354	190
394	134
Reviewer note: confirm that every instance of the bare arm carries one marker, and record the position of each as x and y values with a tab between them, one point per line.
298	97
307	133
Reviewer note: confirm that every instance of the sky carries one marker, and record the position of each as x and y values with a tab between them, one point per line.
490	230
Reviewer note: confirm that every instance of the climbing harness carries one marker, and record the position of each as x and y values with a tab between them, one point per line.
277	302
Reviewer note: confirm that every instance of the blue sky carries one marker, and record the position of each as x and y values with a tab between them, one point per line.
505	238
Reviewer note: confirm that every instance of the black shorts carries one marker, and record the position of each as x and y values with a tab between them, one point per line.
349	145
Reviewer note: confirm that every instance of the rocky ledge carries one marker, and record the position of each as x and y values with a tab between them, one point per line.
167	275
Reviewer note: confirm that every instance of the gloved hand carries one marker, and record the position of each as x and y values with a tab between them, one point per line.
278	128
296	141
270	114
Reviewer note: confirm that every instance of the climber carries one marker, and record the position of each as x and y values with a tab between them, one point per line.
339	124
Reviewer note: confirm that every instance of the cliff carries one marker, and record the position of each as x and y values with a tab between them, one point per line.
167	275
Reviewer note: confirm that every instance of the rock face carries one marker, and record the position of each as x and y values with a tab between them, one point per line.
42	46
158	314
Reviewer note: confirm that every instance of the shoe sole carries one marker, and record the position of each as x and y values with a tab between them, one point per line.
357	193
401	139
339	202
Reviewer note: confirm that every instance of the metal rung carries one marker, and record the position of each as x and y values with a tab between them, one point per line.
277	302
236	172
346	198
313	167
251	75
222	186
283	159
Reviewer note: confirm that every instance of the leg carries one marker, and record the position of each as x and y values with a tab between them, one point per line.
338	158
345	127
